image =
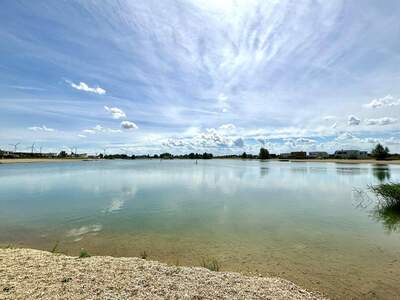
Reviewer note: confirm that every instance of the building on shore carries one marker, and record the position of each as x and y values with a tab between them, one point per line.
12	154
354	154
318	154
294	155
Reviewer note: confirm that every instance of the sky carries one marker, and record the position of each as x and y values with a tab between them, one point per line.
180	76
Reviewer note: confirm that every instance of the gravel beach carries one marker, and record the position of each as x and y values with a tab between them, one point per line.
35	274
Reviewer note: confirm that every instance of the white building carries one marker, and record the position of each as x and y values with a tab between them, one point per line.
318	154
351	154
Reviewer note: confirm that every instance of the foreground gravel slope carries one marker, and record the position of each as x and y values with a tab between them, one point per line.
34	274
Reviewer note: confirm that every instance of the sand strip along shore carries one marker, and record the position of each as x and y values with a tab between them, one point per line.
35	274
40	160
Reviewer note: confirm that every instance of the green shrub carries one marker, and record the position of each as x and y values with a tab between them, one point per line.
388	194
143	255
388	208
55	247
211	264
83	253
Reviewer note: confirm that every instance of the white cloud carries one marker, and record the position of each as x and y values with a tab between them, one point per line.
116	113
305	141
210	138
128	125
239	143
222	102
393	141
371	141
41	128
329	118
82	136
84	87
99	128
353	121
91	131
381	121
227	127
174	143
261	139
388	100
345	136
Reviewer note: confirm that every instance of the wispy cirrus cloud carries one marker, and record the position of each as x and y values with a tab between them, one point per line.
180	69
381	121
99	129
41	128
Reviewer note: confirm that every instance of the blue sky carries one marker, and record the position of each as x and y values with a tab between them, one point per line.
180	76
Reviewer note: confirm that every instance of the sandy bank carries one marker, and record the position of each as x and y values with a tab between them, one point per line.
34	274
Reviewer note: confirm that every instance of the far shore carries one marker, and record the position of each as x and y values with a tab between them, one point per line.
35	274
328	160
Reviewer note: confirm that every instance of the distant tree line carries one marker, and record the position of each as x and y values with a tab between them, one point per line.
379	152
192	155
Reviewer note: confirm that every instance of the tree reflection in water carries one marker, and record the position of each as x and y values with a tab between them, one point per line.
382	173
386	204
389	216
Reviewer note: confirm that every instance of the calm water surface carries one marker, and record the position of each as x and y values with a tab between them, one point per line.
306	222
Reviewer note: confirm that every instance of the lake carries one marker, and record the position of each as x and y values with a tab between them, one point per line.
312	223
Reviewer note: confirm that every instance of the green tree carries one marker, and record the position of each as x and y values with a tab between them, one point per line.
380	152
166	155
244	155
63	154
207	155
264	154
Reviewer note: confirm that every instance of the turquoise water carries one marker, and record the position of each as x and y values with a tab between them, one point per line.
304	221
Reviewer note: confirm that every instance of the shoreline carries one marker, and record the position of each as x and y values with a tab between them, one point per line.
29	273
328	160
347	161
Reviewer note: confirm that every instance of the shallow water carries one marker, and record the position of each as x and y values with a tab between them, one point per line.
308	222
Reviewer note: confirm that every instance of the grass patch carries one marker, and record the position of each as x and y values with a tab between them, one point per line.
143	255
7	289
83	253
66	279
177	262
212	264
55	247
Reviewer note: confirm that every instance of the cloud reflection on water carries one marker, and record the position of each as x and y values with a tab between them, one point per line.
80	232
